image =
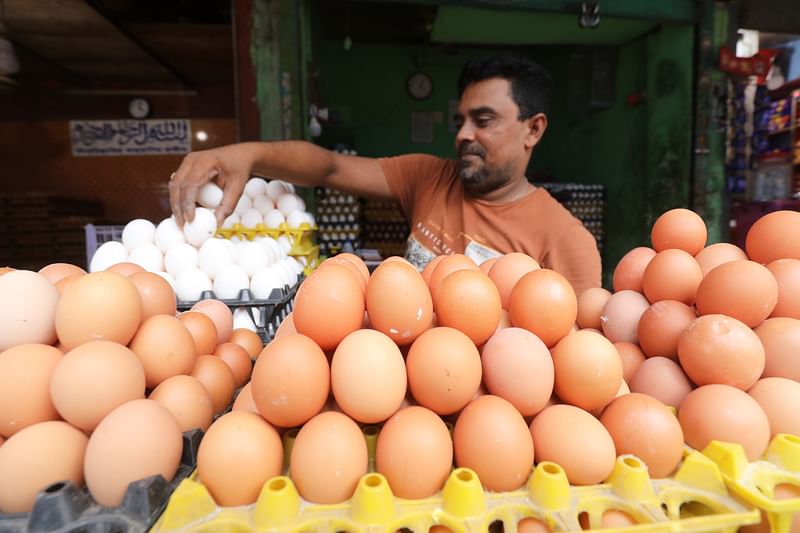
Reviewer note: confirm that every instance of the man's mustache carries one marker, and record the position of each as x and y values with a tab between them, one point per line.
466	149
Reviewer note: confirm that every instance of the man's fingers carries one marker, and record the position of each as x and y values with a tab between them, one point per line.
230	196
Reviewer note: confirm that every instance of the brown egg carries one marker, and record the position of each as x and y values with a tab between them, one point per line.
629	271
780	399
491	438
25	372
126	269
643	426
187	399
328	458
237	359
351	267
714	255
631	356
286	327
238	455
787	274
36	457
328	306
487	265
220	314
743	290
55	272
555	309
444	370
661	325
517	366
217	378
368	376
415	453
679	228
28	307
291	380
508	270
136	440
359	263
468	301
532	525
722	412
588	370
774	236
65	283
621	314
554	433
93	379
157	295
244	400
672	275
662	379
98	306
165	347
720	349
249	340
590	307
6	270
448	265
202	330
399	303
429	268
781	340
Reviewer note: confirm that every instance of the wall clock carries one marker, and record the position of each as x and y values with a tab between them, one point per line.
419	86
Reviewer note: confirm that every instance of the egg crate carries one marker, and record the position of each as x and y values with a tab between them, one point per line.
267	314
301	238
65	508
694	499
755	481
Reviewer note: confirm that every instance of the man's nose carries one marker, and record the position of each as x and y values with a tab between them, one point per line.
466	133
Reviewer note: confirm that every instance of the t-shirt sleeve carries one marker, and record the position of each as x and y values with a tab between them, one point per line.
407	175
576	258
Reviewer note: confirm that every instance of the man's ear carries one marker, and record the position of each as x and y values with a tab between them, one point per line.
535	129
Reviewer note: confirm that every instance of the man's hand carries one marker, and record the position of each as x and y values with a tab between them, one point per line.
229	166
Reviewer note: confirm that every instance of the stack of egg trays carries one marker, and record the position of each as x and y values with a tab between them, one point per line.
65	508
694	499
755	481
267	314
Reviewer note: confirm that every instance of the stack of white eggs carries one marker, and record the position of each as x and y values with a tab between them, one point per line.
192	260
268	203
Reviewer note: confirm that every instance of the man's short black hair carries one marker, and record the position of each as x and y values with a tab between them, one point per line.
530	83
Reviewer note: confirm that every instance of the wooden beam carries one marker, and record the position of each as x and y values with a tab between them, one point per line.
247	114
50	62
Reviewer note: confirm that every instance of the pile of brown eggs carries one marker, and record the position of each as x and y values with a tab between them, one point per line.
99	378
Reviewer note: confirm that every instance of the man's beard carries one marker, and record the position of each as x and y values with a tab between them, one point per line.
474	174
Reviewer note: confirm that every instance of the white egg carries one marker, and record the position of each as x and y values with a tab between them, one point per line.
253	256
287	203
302	202
167	277
289	186
276	188
229	222
210	195
263	203
201	228
277	251
136	232
252	218
298	263
108	254
285	243
213	255
255	187
274	219
288	277
190	284
241	319
310	219
230	280
264	243
148	256
231	245
168	234
264	281
179	259
244	203
295	218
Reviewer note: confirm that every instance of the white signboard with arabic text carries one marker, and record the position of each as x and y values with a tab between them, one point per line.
130	137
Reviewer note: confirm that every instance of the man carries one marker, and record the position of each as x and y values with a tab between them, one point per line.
481	204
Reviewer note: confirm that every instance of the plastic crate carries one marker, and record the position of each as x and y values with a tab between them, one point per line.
97	235
694	499
66	508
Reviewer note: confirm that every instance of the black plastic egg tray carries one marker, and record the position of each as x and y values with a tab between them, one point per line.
65	508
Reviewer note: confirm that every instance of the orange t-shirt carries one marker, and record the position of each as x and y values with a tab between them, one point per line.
444	221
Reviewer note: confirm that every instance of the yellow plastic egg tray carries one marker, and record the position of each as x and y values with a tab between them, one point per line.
695	499
755	481
301	239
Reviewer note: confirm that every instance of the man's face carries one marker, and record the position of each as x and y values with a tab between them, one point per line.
491	140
